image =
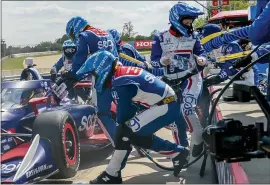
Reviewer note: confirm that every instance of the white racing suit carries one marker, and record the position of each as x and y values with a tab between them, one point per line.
180	51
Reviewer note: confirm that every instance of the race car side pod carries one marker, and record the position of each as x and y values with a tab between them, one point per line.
212	41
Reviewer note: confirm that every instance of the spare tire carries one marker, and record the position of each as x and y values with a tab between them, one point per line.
59	127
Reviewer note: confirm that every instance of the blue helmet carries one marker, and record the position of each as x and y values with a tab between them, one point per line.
74	26
210	29
100	64
182	11
115	34
69	49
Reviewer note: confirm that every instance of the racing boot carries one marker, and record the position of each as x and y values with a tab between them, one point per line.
180	160
197	150
105	178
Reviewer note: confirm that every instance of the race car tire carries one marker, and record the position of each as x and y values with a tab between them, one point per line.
59	127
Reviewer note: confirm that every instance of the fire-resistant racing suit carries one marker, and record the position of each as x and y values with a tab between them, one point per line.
129	50
181	51
260	29
226	71
63	62
90	41
131	86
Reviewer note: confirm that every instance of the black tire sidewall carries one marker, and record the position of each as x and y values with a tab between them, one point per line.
50	125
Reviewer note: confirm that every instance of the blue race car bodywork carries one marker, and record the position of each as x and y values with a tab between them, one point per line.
28	155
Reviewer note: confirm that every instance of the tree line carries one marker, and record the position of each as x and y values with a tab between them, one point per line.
127	34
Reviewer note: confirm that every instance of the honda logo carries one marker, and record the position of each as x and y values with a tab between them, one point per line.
143	44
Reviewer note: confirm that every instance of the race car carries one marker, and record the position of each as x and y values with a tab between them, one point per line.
41	138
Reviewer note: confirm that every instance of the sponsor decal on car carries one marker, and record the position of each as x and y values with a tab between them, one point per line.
87	122
6	140
38	170
8	168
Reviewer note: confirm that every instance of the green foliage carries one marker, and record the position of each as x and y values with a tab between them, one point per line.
199	22
62	39
237	5
234	5
128	33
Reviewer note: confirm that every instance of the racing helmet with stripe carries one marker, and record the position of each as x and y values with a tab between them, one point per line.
182	11
100	65
69	49
75	26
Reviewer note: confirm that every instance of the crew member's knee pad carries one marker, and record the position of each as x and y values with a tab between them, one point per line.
124	137
141	141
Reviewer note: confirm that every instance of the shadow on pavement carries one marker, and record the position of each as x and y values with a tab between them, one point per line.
188	176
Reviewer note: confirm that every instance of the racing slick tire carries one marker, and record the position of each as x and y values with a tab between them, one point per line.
59	127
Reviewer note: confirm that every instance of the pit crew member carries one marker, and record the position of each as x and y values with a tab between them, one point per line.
179	52
130	86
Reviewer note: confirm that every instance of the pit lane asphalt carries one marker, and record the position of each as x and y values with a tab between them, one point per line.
137	170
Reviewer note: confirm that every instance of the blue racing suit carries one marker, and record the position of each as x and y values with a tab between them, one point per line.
63	62
260	6
132	86
226	72
180	51
263	65
260	29
129	50
259	33
265	48
90	41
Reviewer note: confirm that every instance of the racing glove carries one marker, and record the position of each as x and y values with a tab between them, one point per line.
165	60
64	83
53	73
53	70
148	67
212	81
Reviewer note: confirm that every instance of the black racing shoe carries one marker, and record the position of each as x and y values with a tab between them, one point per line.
197	150
105	178
180	160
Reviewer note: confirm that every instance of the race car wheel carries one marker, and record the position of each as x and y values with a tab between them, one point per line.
70	144
60	129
